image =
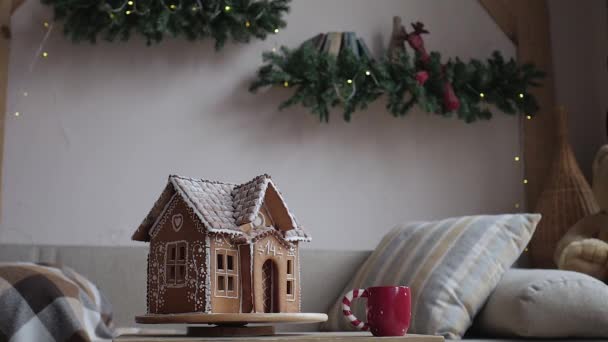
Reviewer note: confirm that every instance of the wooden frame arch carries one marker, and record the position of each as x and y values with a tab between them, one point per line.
7	8
525	22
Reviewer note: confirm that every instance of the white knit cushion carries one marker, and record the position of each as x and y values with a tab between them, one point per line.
546	304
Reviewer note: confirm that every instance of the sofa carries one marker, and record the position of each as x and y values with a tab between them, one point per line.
120	273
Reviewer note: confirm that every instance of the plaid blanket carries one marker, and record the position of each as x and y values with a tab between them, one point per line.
46	303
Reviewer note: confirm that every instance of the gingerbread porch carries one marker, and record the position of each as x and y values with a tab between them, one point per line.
222	248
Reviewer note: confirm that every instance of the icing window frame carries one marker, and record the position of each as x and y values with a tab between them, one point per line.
176	260
259	221
290	286
226	273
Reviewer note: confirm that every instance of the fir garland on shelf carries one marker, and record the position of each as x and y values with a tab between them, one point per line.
353	80
239	20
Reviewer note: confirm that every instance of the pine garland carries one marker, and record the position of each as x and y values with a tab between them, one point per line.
322	81
239	20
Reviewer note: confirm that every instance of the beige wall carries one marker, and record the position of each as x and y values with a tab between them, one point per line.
580	54
104	125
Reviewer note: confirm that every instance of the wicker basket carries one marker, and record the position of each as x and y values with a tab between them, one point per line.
565	199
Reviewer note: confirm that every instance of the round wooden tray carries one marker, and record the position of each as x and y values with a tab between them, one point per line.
231	319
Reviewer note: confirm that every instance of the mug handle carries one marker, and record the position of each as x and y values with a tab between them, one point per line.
356	293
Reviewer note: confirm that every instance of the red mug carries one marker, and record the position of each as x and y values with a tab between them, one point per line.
389	309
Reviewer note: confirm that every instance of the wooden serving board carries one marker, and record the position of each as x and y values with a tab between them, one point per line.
230	318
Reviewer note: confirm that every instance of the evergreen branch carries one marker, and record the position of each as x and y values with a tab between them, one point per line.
323	82
221	20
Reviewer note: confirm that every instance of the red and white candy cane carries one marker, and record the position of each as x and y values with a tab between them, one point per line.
348	298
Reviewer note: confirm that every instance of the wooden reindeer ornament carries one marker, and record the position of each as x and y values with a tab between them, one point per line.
398	38
414	39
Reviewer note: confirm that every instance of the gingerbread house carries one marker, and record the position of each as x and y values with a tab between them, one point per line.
222	248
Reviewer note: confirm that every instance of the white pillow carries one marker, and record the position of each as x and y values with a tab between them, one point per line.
546	304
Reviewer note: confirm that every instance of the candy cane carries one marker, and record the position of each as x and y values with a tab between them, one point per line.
356	293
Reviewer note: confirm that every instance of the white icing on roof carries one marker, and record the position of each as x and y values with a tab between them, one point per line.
221	207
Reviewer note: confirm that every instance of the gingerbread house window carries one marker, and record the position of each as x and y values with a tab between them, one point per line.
289	266
220	261
290	289
226	273
175	263
229	262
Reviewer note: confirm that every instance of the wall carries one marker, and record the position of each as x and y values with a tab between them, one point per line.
103	125
579	31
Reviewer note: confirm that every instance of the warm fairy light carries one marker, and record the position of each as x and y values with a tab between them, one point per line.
194	8
526	250
247	23
128	12
516	158
349	81
46	24
111	15
525	181
482	95
227	8
130	3
368	73
276	30
17	113
529	117
45	54
286	84
516	205
521	95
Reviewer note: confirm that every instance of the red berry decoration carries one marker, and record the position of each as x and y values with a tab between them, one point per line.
422	77
450	100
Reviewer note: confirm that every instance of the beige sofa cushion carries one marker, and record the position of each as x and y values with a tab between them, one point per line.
544	304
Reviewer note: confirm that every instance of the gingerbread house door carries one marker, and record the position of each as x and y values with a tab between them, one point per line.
270	289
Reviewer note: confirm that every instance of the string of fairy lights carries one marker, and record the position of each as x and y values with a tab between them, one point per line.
131	6
517	159
40	53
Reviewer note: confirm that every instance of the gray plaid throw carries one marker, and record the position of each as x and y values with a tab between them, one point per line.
45	303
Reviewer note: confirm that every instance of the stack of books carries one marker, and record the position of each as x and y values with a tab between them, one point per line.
334	43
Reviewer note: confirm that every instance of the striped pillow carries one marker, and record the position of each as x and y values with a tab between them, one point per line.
451	266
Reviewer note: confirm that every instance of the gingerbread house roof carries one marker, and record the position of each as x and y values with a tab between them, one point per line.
224	207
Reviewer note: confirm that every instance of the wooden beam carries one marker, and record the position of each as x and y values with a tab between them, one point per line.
526	22
6	8
502	13
16	4
534	46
